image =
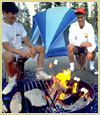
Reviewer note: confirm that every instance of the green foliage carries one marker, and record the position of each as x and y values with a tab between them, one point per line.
75	5
24	17
85	6
45	5
94	17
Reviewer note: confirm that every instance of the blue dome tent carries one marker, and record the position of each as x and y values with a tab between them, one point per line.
50	29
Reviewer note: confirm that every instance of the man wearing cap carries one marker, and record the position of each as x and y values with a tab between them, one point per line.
81	39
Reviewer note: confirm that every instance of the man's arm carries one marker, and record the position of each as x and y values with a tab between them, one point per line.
87	44
8	47
29	44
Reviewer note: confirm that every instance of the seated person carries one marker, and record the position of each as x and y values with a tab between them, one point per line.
81	39
12	34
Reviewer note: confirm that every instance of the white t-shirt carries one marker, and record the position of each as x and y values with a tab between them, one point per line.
78	35
13	34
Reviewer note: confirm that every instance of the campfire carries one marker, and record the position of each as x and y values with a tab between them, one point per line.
75	96
66	92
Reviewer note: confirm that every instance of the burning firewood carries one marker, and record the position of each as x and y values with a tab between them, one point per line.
54	94
71	98
75	96
64	89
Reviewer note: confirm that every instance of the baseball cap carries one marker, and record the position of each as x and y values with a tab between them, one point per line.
80	11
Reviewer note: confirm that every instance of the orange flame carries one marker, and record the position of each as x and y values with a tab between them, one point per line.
74	88
48	86
62	78
50	65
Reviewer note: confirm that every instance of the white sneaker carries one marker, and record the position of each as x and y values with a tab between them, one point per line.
43	76
72	69
94	71
9	87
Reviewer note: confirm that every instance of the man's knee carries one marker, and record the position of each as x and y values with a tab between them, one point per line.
92	56
89	57
8	56
70	48
40	49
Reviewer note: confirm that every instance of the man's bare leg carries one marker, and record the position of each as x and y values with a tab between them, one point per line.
41	51
71	49
10	68
40	73
93	55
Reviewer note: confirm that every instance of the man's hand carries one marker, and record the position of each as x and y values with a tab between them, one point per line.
87	44
26	54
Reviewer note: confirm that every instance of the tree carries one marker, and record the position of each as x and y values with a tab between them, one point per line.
24	17
85	6
75	5
27	20
57	4
20	16
95	18
45	5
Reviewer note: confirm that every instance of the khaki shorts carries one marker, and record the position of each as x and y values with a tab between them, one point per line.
25	48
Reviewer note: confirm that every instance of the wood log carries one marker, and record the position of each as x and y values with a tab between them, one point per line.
53	95
71	82
72	98
66	90
81	59
56	90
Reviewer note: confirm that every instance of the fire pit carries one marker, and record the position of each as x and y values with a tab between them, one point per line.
53	106
73	101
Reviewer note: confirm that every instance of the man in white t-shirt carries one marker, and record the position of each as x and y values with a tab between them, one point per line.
12	35
81	39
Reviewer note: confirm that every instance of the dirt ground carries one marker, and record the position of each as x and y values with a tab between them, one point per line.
63	63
